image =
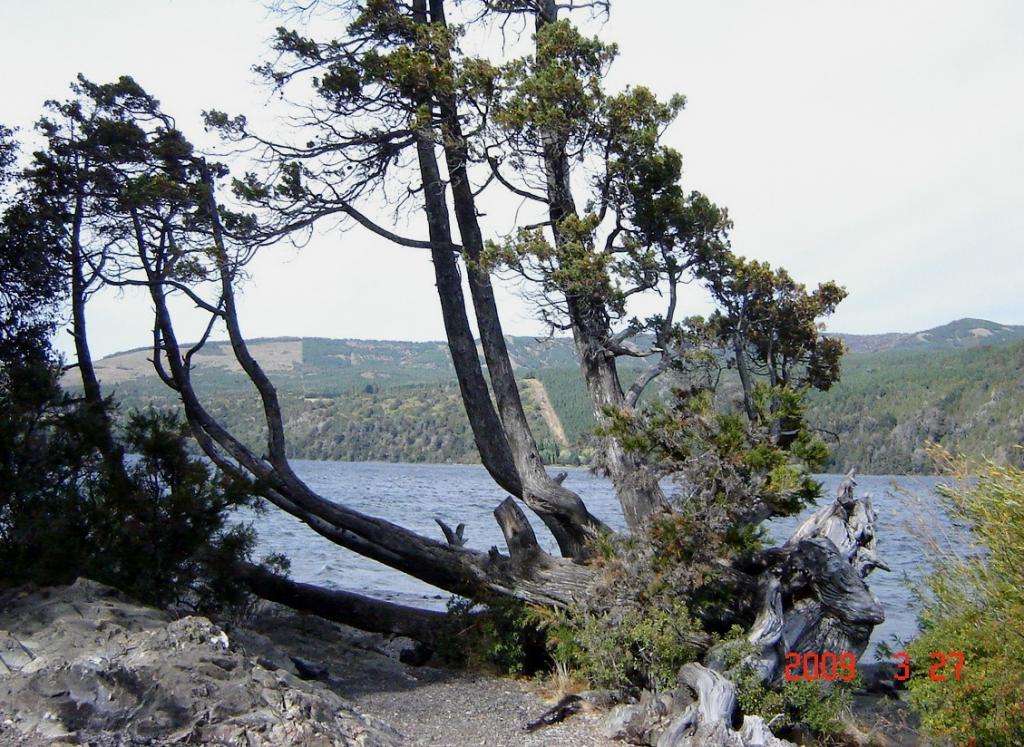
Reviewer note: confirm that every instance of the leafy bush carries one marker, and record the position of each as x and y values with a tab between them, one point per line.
504	635
804	704
627	648
820	707
174	542
974	603
732	472
154	524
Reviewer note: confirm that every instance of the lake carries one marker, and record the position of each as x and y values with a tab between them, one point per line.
413	494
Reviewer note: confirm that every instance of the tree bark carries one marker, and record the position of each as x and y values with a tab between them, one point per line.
746	381
562	510
488	433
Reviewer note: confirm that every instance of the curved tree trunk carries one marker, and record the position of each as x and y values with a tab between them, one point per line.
562	510
543	580
490	438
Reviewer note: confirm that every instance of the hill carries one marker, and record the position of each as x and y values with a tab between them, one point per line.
961	385
963	334
889	404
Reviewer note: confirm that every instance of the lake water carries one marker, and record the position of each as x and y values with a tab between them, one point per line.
413	494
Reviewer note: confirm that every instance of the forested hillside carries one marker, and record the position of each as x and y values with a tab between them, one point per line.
888	405
961	385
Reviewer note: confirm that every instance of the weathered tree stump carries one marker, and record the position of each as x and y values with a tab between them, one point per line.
817	582
811	597
708	722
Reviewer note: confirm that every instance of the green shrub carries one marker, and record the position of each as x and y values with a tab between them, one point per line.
154	524
627	648
503	635
820	707
164	537
974	603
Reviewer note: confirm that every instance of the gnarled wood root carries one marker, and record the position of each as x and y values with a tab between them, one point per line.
698	714
813	596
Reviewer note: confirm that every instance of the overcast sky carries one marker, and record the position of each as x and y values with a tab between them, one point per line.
879	143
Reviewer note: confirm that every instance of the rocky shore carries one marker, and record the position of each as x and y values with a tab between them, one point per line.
82	665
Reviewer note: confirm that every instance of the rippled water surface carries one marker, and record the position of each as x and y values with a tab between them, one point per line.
413	494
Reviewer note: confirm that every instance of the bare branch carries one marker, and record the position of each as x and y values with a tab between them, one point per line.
202	340
456	537
496	172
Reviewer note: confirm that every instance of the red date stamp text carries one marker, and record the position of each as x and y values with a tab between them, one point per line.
829	666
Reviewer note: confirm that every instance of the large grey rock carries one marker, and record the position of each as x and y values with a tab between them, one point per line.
81	665
628	722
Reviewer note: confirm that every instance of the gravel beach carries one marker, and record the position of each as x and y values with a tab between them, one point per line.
428	706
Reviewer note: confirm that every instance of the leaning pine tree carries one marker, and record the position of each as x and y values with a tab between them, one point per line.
400	112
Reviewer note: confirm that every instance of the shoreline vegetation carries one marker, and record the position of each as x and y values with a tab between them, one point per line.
273	676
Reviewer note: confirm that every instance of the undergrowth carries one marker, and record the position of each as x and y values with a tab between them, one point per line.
820	707
973	603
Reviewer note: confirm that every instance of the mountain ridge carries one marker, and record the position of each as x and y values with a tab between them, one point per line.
959	334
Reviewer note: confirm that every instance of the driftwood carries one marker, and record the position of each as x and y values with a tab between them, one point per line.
559	712
766	632
699	713
456	538
813	595
708	721
349	608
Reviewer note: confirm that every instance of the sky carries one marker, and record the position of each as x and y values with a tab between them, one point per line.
876	143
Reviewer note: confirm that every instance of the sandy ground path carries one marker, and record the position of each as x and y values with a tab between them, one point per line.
429	706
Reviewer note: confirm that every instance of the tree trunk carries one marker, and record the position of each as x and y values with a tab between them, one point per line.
348	608
491	440
562	510
635	483
743	367
100	422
